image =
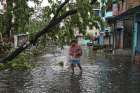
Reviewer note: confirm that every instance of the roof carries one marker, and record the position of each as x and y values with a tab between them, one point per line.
129	12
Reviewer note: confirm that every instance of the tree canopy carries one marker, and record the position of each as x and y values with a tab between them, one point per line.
58	18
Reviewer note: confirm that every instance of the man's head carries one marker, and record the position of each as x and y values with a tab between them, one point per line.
73	42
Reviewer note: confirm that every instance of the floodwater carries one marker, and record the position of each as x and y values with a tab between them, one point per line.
102	73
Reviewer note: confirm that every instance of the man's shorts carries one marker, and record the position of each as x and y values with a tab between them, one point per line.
75	62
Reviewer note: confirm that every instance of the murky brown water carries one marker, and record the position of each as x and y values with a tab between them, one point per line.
101	74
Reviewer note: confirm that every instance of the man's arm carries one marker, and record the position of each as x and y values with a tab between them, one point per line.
70	52
79	52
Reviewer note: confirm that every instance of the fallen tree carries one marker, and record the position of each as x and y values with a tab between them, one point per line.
55	20
83	17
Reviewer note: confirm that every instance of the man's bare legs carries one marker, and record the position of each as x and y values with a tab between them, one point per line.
72	67
79	65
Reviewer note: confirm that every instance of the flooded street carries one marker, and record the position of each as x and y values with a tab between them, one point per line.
102	73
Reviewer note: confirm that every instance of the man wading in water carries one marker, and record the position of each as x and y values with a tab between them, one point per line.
75	52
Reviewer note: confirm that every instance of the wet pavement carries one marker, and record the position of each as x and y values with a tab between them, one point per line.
102	73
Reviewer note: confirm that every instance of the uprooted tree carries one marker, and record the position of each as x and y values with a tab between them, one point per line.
77	14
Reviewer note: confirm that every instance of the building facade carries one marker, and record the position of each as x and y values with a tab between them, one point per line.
125	23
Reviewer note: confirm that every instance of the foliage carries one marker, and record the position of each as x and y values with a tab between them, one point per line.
61	63
79	21
1	23
16	17
21	62
21	16
7	18
5	47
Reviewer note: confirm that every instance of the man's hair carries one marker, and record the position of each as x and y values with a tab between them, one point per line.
73	41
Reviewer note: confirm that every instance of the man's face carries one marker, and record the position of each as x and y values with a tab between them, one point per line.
73	43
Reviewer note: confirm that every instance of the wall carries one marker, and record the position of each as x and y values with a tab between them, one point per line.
122	7
128	33
132	3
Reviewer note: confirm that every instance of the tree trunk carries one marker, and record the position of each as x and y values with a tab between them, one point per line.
8	18
33	41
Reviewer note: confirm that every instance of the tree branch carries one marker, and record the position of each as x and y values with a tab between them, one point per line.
14	54
47	29
60	8
51	24
55	20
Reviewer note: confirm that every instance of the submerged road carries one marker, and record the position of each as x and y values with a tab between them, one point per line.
101	74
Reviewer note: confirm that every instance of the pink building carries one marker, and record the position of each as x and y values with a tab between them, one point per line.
123	6
132	3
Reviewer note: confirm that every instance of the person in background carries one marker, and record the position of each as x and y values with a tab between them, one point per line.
75	52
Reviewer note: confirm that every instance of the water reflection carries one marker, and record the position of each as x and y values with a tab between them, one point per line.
101	74
75	83
13	81
113	81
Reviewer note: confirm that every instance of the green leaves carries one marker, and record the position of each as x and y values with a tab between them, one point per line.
84	17
21	13
1	23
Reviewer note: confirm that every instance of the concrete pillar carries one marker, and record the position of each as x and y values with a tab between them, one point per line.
15	41
114	40
134	38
